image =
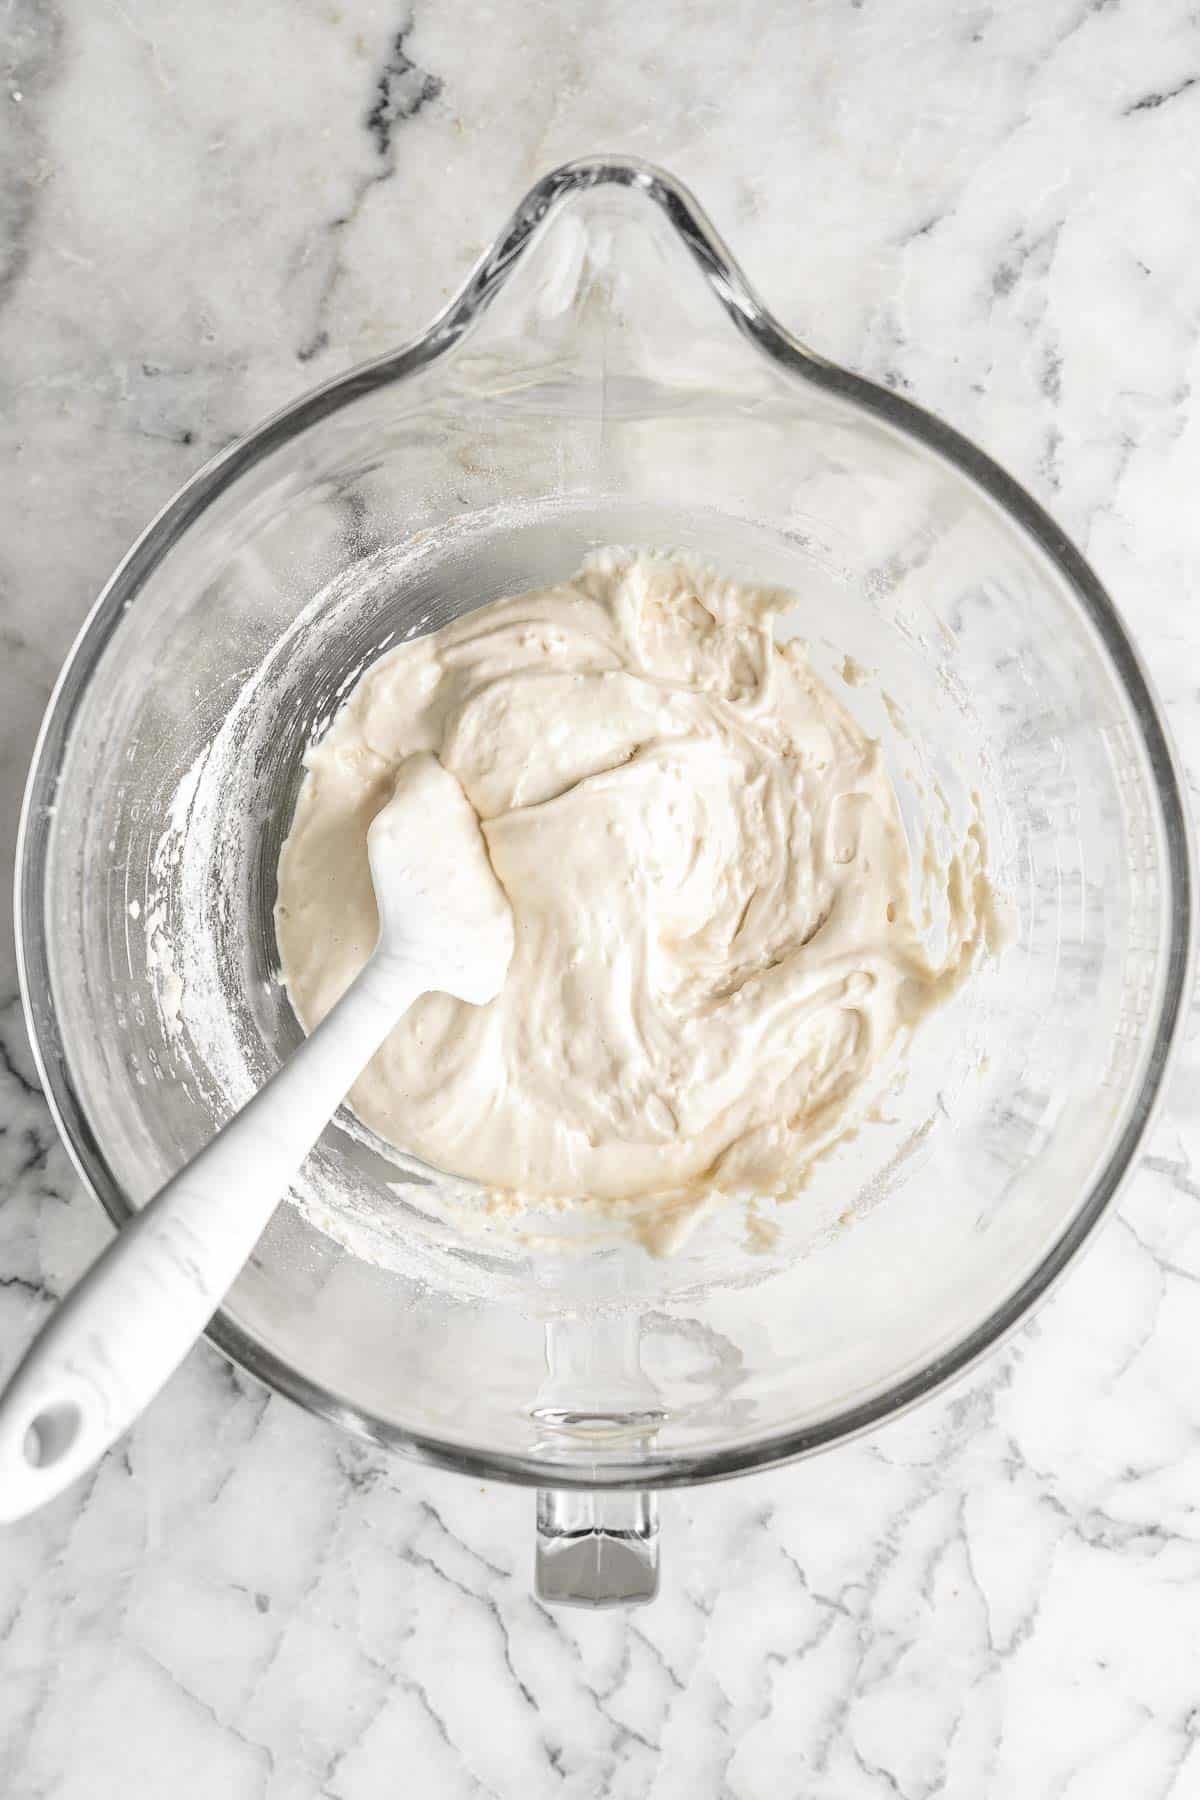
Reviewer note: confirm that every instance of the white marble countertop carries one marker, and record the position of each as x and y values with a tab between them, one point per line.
993	206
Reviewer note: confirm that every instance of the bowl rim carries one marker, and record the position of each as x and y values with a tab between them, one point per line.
757	324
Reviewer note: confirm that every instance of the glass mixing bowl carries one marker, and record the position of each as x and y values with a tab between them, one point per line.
607	376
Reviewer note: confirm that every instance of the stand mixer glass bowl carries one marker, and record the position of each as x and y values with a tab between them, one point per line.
607	377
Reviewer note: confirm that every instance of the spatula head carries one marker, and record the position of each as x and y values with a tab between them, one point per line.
440	904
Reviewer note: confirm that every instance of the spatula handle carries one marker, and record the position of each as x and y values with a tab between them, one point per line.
130	1321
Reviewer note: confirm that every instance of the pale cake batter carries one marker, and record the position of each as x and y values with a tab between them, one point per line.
715	937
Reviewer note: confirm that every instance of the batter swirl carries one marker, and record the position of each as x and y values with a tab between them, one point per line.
715	934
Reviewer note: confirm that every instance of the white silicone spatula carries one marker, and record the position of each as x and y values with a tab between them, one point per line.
444	925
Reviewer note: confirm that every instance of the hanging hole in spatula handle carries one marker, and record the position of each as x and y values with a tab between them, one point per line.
51	1433
46	1441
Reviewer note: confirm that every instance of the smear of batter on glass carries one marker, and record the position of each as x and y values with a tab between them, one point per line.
716	943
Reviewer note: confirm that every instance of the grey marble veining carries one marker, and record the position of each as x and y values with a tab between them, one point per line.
991	207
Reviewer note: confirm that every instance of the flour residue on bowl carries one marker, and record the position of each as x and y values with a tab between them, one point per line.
160	920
